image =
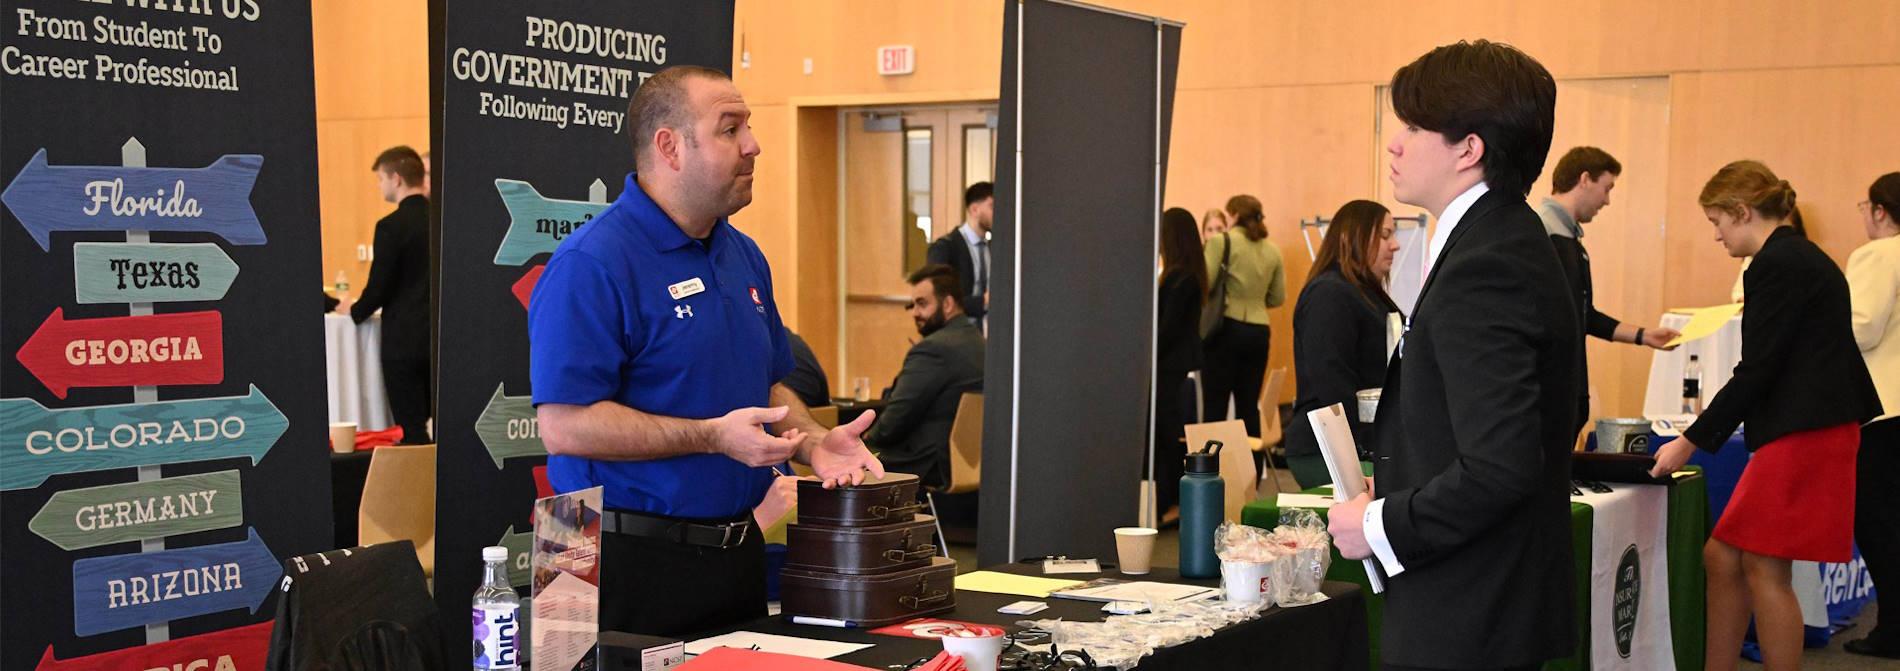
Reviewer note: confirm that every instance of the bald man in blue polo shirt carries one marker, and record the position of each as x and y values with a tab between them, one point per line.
656	356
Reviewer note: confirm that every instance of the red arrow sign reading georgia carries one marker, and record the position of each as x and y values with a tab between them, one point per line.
524	287
177	348
239	648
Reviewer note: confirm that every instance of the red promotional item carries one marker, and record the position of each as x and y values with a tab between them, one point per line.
241	648
164	349
524	287
370	440
932	628
734	659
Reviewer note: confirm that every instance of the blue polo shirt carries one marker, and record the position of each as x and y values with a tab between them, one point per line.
633	311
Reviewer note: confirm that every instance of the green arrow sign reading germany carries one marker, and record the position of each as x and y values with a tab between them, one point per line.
135	511
117	272
508	428
37	443
518	546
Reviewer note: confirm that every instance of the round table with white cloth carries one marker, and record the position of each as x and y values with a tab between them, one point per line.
353	362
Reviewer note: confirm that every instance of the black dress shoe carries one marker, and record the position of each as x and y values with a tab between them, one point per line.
1871	649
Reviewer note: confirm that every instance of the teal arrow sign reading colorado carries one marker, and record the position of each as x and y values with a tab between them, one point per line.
518	546
82	518
537	224
508	428
37	443
118	272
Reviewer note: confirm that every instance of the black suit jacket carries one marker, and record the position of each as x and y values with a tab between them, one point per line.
1178	326
1338	349
1800	367
399	281
1576	263
912	432
1474	432
951	250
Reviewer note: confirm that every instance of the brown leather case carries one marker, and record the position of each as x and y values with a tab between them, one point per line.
884	548
888	500
870	600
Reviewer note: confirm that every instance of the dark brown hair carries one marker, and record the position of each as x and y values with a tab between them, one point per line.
1489	89
1884	193
401	160
661	102
1248	215
943	281
1748	184
1181	247
1580	161
1348	246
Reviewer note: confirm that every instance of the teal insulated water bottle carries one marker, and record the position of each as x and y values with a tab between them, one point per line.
1203	496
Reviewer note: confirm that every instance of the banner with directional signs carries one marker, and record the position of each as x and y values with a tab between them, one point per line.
524	163
161	352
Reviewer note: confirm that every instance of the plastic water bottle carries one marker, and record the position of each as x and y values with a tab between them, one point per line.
1203	500
497	615
342	287
1692	387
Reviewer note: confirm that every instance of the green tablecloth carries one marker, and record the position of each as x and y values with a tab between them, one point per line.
1688	530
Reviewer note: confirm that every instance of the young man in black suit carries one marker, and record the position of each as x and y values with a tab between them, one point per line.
399	286
967	249
1472	523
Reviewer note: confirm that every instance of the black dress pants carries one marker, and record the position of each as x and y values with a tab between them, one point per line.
1877	521
1170	452
1236	367
406	381
658	587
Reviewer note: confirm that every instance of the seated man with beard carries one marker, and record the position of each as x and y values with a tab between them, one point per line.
912	433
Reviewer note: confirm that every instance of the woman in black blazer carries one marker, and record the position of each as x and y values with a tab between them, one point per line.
1803	389
1177	346
1339	329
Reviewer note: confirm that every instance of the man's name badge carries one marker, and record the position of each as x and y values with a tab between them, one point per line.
687	288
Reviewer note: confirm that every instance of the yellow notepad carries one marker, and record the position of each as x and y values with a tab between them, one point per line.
1006	583
1704	322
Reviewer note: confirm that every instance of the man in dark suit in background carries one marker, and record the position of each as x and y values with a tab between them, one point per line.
967	249
1472	523
912	435
399	286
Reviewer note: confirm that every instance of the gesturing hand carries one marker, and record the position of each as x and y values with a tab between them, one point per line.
841	457
741	435
1659	337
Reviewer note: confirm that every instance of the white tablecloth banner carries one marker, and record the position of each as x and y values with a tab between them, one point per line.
1629	578
1718	355
353	362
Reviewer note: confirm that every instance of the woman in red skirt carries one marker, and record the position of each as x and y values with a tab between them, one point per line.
1803	390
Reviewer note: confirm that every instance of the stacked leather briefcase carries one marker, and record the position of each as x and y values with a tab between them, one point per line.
863	555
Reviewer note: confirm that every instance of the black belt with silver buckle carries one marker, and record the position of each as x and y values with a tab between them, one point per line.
719	535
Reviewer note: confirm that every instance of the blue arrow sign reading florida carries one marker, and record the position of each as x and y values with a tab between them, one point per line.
538	224
124	591
213	199
36	443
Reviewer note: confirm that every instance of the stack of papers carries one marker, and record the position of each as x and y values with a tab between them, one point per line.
1142	591
996	582
783	645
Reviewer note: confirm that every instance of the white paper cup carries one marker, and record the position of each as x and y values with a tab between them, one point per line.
979	653
1135	549
1246	581
1368	403
343	437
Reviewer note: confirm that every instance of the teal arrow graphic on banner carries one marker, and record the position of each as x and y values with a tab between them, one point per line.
508	428
537	224
518	545
124	591
37	443
118	272
82	518
212	199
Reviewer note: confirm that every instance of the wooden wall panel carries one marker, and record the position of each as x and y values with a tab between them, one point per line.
348	193
816	180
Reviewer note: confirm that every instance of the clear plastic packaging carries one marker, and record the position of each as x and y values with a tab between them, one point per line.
1298	573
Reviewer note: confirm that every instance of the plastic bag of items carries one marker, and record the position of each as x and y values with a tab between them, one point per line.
1307	548
1122	640
1248	556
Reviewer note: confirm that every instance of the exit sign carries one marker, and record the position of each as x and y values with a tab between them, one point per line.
896	60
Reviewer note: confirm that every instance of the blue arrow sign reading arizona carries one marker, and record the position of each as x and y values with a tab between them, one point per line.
124	591
213	199
537	224
36	443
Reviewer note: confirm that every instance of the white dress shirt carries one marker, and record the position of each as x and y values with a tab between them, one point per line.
979	245
1374	521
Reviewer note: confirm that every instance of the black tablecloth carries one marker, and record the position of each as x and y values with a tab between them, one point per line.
1326	635
347	472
